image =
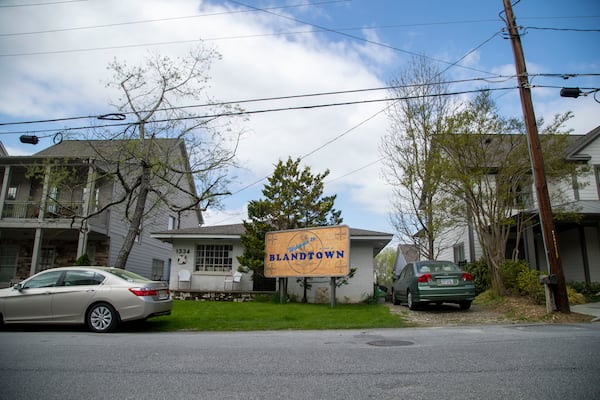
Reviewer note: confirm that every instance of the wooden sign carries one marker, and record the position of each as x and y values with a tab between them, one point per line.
309	252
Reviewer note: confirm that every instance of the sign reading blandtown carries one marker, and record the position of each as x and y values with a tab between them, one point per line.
309	252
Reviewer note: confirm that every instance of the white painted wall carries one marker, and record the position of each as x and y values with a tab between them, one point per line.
358	289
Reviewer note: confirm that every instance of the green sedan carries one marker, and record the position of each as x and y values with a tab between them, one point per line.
437	282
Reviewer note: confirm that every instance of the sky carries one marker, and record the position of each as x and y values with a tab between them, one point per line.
54	56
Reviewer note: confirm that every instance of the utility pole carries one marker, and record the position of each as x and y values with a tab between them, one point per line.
537	163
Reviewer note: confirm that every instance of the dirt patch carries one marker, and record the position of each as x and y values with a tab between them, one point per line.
509	311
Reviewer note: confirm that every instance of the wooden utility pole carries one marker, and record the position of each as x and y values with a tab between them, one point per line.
537	163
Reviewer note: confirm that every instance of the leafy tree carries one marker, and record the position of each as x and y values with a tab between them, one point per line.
487	166
293	198
412	159
384	266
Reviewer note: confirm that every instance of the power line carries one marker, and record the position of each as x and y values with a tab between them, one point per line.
40	4
561	29
261	111
121	116
145	21
356	37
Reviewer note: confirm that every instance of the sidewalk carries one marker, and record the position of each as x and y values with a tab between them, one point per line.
592	309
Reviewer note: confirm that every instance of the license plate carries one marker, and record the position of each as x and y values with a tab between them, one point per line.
447	282
163	294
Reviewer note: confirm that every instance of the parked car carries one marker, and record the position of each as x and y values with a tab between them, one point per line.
438	282
100	297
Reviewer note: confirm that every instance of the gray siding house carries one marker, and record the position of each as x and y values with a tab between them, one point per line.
47	222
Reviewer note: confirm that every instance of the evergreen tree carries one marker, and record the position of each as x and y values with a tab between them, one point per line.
293	198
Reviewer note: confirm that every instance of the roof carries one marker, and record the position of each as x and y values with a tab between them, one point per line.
582	143
234	231
94	148
504	143
238	229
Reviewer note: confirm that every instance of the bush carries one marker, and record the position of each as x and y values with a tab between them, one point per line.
574	296
83	260
528	284
481	275
509	272
589	290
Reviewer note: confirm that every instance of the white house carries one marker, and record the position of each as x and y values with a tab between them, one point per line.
578	238
210	253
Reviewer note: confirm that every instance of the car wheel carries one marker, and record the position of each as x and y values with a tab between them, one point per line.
102	318
464	305
395	300
411	304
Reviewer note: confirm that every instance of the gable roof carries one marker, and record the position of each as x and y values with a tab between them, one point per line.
573	152
234	231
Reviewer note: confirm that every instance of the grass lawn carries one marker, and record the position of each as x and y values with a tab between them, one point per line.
252	316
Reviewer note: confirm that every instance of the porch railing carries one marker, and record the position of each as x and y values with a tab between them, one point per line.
31	209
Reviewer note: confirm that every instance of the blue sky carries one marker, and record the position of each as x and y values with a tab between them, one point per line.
53	60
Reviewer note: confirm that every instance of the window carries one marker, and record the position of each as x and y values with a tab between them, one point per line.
459	254
48	279
214	257
597	168
12	193
53	200
171	224
158	267
81	278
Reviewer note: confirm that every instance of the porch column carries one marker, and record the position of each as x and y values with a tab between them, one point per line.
4	189
82	243
37	249
37	242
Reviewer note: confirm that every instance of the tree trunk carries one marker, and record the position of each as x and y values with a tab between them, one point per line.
136	221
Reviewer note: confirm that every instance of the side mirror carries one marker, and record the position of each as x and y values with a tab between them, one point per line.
18	286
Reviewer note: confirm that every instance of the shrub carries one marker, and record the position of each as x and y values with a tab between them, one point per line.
83	260
574	296
509	272
528	284
481	275
589	290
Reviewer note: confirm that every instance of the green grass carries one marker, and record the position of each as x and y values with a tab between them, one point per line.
254	316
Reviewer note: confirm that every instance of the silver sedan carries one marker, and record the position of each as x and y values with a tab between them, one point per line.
100	297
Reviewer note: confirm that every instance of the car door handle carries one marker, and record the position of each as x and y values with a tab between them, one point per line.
90	290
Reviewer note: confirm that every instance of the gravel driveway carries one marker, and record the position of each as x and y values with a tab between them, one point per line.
449	314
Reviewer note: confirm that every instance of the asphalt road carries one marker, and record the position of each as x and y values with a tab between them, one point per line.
481	362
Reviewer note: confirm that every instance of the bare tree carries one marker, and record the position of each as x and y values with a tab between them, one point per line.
179	147
487	166
412	159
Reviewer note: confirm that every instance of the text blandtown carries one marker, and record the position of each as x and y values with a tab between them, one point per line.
294	255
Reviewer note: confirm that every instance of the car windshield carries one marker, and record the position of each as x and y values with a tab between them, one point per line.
438	267
127	275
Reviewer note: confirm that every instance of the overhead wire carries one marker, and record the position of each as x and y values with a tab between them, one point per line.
40	4
165	19
249	112
121	115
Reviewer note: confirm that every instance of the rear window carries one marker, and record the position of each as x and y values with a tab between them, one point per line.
439	267
127	275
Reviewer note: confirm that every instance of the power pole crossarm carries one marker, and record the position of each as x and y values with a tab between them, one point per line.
537	164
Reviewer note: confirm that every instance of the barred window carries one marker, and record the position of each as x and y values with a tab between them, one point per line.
214	257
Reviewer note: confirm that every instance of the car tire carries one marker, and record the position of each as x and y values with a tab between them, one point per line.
409	300
395	300
102	318
464	305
